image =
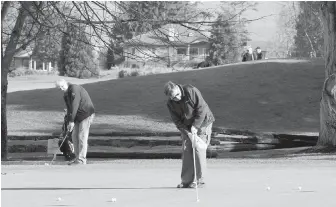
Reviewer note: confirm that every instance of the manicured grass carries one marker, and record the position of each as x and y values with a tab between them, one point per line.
272	95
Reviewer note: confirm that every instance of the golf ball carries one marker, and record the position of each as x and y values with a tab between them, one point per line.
59	199
114	200
268	188
299	188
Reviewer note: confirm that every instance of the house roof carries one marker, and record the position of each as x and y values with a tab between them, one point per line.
23	54
172	34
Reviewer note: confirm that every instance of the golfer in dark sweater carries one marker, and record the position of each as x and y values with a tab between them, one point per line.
191	114
81	113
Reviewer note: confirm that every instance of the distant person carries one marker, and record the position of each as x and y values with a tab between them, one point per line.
258	54
191	114
248	56
80	111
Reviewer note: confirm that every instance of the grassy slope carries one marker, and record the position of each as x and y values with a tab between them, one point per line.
270	95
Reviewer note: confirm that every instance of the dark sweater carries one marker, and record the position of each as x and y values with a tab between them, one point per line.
247	57
258	56
78	102
191	110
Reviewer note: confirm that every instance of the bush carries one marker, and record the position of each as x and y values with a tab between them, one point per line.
17	72
204	64
191	64
135	73
30	72
135	66
122	74
85	74
25	71
125	73
151	70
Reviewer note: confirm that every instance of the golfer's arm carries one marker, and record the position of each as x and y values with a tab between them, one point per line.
177	121
199	108
75	104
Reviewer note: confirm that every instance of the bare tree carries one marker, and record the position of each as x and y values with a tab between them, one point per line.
286	22
6	59
24	22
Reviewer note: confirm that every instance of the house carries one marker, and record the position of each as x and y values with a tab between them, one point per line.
26	59
170	43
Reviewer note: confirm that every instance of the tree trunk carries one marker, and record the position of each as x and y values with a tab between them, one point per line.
329	26
6	60
4	10
4	84
327	135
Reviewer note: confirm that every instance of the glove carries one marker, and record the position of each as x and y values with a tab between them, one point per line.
71	126
194	130
192	138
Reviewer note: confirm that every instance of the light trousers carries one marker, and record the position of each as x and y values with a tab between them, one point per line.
80	136
187	174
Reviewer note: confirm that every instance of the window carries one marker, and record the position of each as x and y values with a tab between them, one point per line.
193	51
206	51
133	51
181	51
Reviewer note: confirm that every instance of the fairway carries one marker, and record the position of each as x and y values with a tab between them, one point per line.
273	96
232	183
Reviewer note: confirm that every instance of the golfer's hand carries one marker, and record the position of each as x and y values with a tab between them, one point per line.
194	130
71	126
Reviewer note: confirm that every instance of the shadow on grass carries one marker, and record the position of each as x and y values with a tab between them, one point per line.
53	188
321	153
98	130
317	149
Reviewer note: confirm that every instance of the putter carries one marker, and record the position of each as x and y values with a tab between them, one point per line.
195	172
66	135
54	157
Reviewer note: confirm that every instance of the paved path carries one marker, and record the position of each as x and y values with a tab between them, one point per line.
33	82
230	183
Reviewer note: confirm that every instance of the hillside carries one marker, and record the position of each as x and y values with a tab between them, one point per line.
281	96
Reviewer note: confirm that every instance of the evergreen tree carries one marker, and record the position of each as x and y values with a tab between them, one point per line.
114	55
229	33
47	47
76	57
225	41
